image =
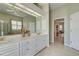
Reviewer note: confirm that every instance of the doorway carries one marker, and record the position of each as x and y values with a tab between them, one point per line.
59	30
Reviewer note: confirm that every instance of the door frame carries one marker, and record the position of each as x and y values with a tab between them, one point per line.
55	29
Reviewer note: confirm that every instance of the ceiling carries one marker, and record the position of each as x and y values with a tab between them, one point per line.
54	6
5	8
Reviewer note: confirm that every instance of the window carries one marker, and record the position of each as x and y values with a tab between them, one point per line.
60	27
16	25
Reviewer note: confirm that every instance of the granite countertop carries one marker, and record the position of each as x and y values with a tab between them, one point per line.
18	38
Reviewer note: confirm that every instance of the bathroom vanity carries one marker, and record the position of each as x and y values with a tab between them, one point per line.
16	45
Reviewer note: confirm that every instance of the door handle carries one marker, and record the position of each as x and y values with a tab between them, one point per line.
70	41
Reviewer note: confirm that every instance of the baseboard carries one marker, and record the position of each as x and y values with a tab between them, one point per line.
66	44
51	42
39	51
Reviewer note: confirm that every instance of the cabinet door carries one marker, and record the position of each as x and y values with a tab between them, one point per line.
27	47
38	44
24	48
44	42
33	52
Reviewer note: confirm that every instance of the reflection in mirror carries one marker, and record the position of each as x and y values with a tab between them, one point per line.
1	27
13	21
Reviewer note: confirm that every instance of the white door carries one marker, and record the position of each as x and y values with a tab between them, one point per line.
74	31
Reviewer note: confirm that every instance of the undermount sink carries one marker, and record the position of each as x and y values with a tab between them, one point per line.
3	40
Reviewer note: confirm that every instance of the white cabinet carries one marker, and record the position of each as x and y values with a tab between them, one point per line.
33	45
11	49
25	47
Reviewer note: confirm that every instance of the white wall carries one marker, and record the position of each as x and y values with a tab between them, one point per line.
64	12
45	19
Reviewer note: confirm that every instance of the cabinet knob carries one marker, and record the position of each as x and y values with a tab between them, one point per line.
27	49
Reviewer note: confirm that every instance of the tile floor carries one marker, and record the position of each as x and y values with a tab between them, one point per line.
58	49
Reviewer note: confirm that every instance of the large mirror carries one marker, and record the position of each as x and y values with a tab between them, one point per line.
13	20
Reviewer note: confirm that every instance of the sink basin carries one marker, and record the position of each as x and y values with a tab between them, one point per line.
3	40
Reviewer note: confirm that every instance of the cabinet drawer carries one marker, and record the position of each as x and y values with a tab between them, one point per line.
11	53
9	48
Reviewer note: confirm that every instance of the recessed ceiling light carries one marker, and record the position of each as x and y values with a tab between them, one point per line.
1	21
